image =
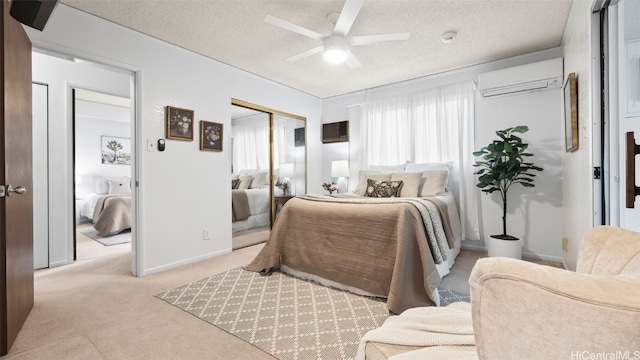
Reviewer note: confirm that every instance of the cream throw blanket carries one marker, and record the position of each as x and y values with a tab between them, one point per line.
445	333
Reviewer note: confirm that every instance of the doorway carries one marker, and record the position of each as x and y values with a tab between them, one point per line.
80	106
102	173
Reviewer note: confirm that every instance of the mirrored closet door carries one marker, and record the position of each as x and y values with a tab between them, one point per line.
268	168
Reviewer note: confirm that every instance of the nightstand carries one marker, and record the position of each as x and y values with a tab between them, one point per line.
281	200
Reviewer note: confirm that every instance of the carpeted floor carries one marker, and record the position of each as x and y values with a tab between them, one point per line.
286	317
242	239
121	238
95	309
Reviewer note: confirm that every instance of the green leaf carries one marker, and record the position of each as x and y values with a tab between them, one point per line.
520	129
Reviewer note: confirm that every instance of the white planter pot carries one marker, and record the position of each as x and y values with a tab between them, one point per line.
504	248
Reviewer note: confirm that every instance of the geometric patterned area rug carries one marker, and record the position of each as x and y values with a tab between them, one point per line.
284	316
120	238
449	296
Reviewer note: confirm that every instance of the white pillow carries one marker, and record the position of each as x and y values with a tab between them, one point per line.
101	185
235	176
410	183
363	175
435	183
259	180
248	171
245	181
389	168
122	186
421	167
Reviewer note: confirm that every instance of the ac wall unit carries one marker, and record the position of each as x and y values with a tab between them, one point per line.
544	75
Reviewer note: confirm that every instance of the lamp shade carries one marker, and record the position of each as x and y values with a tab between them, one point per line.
286	170
340	168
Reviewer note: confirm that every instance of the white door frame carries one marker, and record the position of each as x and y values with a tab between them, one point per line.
40	180
135	92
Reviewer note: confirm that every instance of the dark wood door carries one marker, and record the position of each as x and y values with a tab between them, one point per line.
16	210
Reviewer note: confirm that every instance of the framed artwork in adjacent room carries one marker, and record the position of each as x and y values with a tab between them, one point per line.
211	136
179	124
571	112
115	150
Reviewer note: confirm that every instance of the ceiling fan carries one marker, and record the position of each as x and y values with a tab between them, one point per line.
336	46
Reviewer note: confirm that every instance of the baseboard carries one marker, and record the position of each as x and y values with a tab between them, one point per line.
58	263
525	254
183	262
531	255
474	247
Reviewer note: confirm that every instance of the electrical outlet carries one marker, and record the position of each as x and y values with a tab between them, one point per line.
565	244
206	234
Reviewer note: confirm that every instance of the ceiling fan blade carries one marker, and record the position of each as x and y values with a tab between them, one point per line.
307	53
351	60
371	39
292	27
347	16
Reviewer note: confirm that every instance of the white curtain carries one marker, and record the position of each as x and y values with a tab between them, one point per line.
251	145
433	125
279	142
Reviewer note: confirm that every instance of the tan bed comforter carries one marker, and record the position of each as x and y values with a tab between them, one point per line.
239	205
380	247
112	214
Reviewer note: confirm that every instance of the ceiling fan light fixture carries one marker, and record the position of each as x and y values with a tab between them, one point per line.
335	50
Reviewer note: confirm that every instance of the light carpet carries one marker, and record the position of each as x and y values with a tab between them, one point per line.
286	317
121	238
242	239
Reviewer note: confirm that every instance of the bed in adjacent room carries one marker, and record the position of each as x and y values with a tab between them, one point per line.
395	247
109	208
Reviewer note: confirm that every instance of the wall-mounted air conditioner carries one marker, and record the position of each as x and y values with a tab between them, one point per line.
544	75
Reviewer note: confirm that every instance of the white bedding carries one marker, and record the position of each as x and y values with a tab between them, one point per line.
454	216
89	205
259	207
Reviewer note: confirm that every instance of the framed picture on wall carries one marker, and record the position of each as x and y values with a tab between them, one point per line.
115	150
211	136
571	112
179	123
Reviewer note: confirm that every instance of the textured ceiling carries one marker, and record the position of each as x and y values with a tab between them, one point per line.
233	32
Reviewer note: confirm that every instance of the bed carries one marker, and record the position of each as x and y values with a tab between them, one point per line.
110	207
250	200
391	248
250	209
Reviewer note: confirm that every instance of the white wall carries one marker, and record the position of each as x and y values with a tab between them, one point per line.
577	184
61	76
93	121
537	218
181	190
533	214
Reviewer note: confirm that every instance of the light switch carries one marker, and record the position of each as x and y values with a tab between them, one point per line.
151	145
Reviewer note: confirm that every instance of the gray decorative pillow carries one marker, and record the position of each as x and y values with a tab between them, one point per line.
235	183
383	189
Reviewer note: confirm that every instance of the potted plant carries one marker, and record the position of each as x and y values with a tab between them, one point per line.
504	163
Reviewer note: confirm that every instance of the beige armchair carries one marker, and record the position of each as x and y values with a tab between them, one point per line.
522	310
